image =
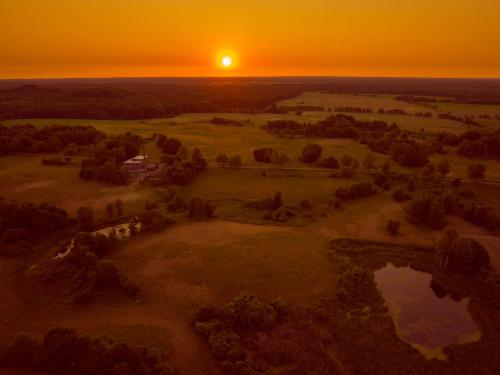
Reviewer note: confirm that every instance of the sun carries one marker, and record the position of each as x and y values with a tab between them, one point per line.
227	61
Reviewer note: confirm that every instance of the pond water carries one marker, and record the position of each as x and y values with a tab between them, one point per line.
425	317
118	231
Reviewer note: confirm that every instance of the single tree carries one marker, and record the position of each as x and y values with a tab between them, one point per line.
119	207
311	153
222	159
369	162
235	161
110	208
393	227
386	168
477	171
85	218
444	167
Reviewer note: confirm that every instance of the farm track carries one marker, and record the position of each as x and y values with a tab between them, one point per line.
329	171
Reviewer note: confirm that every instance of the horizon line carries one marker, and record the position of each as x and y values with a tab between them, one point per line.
243	77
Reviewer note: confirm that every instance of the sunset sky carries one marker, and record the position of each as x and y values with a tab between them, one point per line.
111	38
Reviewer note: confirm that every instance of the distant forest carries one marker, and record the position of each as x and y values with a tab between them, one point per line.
144	98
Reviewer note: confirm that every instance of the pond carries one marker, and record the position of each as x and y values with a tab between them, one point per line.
424	316
118	232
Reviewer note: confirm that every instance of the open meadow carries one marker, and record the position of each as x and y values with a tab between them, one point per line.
210	260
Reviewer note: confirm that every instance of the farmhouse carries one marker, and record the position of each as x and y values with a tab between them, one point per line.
137	163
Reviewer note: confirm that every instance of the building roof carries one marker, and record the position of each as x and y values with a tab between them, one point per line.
136	159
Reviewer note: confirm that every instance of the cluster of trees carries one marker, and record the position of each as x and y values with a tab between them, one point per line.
200	209
152	220
475	144
123	100
466	120
232	333
270	155
270	203
301	107
396	111
409	153
360	190
353	110
329	162
26	221
57	161
481	215
62	351
105	165
225	121
415	99
169	146
423	114
393	227
429	206
311	153
337	126
48	139
85	273
461	255
182	169
233	161
476	171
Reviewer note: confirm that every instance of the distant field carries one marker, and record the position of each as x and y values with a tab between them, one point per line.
24	178
194	263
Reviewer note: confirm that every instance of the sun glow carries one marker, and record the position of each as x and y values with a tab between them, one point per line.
226	60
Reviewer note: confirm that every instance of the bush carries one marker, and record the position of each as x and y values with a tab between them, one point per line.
329	162
222	159
311	153
461	255
200	209
249	311
264	155
24	353
14	234
477	171
235	161
362	189
393	227
154	221
409	153
428	207
399	195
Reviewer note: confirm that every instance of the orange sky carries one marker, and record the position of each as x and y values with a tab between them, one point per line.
110	38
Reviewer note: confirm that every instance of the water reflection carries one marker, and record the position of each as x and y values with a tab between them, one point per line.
116	232
426	315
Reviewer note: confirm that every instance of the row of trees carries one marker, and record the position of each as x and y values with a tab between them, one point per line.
233	161
62	351
105	164
48	139
228	331
337	126
125	100
26	221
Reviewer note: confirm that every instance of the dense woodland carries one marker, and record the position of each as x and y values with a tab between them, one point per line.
157	97
49	139
136	101
348	329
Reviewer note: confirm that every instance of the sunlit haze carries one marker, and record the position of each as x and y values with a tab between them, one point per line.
81	38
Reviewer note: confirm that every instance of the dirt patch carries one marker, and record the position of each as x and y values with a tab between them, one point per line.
33	185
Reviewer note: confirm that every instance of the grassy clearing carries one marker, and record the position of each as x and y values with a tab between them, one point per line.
24	178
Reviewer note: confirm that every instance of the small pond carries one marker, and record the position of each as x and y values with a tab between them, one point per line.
118	231
424	317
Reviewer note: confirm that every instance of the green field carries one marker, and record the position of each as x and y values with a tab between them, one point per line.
193	263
